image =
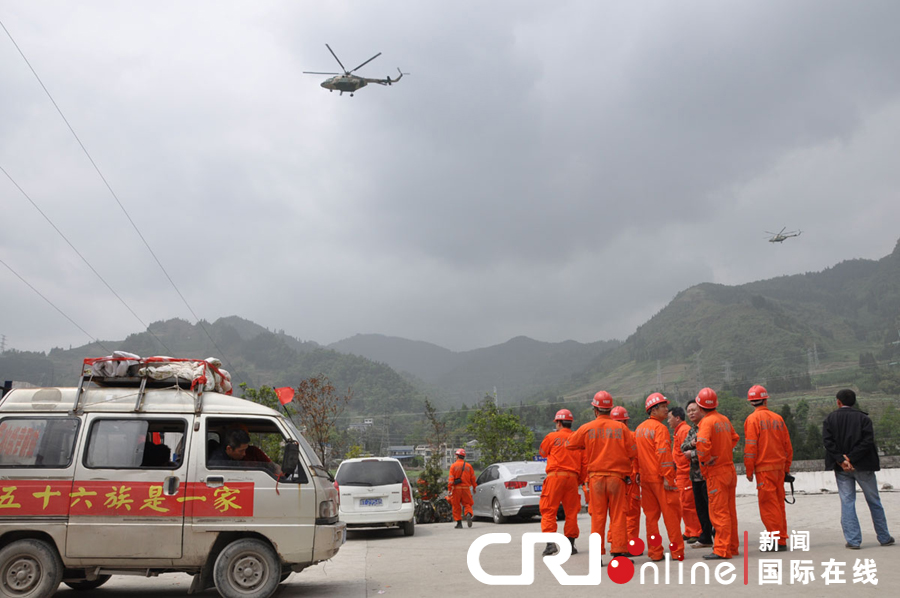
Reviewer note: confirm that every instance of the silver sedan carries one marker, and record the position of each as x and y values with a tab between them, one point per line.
510	489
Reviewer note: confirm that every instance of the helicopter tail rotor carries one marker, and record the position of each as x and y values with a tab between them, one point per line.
398	77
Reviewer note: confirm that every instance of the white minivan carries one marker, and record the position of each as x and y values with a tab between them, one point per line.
375	492
122	476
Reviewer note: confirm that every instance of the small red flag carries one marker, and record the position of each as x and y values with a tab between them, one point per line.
285	394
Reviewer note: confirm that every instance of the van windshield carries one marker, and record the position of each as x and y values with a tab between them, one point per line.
370	473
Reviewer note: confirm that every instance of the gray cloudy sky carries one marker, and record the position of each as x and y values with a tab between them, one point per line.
558	170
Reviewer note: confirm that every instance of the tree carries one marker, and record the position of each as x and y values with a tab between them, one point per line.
318	408
500	435
437	438
270	444
887	431
354	452
813	447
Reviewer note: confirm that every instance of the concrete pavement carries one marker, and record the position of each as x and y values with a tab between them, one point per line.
433	562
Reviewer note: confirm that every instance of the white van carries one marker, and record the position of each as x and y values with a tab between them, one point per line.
124	478
375	492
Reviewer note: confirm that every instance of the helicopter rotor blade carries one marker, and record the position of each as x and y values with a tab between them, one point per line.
318	73
366	62
338	59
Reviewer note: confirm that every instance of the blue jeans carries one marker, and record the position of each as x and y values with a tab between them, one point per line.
846	483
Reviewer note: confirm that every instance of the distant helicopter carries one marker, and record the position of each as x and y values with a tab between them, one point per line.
780	236
348	81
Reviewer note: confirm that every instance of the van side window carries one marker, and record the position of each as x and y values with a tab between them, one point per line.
248	444
135	444
45	442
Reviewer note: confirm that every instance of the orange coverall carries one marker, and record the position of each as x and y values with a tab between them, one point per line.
609	453
768	454
656	466
692	527
633	506
716	440
564	471
460	495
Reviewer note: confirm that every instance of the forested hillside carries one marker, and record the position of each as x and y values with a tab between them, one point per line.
518	369
252	355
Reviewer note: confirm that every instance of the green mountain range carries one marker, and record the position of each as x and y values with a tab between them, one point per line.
789	332
779	332
517	370
252	355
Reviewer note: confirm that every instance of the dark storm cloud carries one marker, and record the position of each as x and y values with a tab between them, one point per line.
711	95
559	170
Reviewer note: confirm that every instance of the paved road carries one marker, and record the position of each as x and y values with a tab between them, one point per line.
433	562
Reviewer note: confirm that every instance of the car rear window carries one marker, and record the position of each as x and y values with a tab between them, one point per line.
527	467
370	473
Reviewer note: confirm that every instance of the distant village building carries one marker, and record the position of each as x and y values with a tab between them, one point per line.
362	426
448	453
402	453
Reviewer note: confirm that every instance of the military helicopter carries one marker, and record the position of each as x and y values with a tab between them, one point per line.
348	81
780	236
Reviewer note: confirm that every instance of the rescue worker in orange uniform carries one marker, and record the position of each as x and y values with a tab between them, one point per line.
632	489
680	429
462	475
716	440
768	454
564	471
659	494
609	453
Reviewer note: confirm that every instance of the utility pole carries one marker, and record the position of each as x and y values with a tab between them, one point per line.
384	433
699	370
816	356
658	375
727	372
2	343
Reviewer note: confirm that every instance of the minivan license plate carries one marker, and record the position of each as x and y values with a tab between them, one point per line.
538	488
370	502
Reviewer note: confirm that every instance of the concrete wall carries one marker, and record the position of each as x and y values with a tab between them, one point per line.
814	482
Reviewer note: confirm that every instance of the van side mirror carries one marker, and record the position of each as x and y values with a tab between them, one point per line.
291	459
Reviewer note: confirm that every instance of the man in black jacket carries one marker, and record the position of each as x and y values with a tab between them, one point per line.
850	451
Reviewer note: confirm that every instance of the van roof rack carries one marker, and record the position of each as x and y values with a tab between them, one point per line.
151	372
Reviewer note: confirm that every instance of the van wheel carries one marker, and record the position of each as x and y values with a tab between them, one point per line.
408	527
496	514
30	569
88	584
247	568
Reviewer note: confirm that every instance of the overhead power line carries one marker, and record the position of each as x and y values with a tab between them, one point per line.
84	259
116	197
41	295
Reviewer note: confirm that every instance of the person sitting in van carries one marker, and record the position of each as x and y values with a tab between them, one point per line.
254	453
232	451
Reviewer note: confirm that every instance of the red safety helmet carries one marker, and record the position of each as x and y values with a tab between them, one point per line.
460	452
757	393
707	398
655	399
564	415
602	400
619	413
